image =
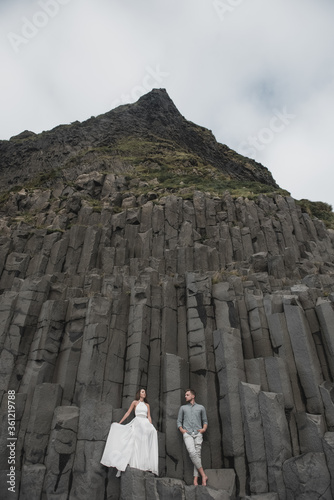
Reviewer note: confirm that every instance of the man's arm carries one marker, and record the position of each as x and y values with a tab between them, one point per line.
204	421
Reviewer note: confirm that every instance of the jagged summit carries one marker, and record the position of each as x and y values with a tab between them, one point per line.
154	115
153	122
158	100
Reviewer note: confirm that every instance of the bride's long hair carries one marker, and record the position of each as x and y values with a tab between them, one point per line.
138	395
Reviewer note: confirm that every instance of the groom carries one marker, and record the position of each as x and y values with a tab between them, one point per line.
192	422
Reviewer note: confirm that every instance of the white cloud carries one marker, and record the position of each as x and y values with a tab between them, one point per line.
228	75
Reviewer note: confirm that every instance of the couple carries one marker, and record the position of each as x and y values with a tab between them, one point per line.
136	444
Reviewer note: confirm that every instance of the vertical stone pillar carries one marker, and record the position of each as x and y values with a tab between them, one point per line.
90	248
307	363
175	380
154	367
328	443
276	438
7	308
182	340
223	299
225	248
46	398
327	394
281	343
173	219
278	379
15	267
94	350
117	340
143	246
40	255
137	352
58	255
238	254
230	370
247	343
199	206
196	322
254	438
200	325
69	355
5	248
76	238
258	326
311	429
256	373
325	313
307	476
61	451
45	345
32	480
169	333
89	475
14	356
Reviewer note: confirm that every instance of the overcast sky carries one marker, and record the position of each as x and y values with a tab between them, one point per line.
258	73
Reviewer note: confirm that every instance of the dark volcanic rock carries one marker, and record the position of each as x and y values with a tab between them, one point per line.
153	117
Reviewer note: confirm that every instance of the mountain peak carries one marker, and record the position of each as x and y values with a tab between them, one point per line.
153	119
160	94
153	113
157	97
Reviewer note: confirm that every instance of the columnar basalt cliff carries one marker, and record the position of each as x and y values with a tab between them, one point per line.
111	280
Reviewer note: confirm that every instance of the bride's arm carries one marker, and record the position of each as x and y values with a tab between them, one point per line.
148	413
128	412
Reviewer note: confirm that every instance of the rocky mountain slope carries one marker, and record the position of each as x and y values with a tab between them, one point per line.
128	259
144	130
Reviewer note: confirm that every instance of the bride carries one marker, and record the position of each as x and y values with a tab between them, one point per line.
134	444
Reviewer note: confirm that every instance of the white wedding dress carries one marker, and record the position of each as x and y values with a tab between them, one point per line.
134	444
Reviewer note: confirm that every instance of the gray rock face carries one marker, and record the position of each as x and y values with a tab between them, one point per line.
231	297
325	313
276	439
328	444
307	476
254	437
61	451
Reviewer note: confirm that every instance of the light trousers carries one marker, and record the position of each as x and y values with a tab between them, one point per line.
193	444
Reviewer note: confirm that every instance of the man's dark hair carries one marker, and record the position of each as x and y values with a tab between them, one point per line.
192	392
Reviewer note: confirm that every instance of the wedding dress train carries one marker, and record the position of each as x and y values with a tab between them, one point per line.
134	444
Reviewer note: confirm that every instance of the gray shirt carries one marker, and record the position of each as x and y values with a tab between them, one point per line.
192	417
